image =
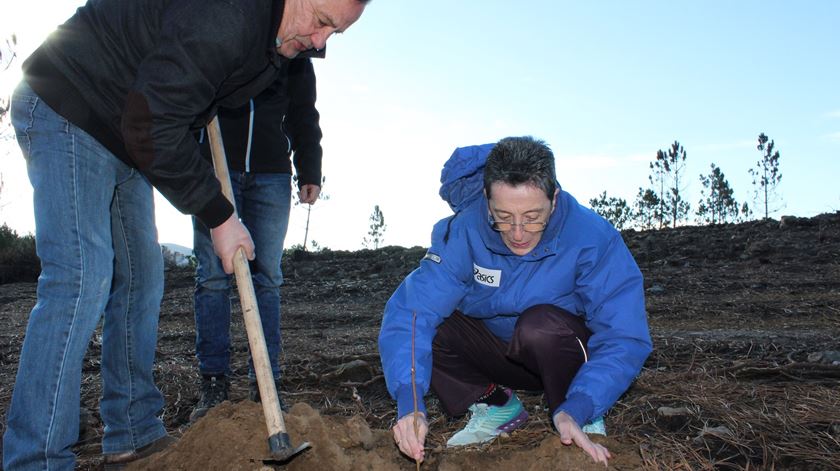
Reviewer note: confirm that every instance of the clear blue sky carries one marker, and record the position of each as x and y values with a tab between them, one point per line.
605	83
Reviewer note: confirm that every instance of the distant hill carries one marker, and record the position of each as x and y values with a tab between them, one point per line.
174	254
185	251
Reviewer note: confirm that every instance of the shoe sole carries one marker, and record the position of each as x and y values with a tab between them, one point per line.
514	423
155	447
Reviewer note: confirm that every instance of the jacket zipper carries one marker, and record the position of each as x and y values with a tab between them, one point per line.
250	137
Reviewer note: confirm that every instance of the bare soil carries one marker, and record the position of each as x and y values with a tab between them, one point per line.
744	374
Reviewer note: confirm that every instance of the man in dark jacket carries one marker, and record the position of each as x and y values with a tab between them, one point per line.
259	138
106	111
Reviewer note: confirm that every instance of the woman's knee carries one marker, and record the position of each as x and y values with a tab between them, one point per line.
544	325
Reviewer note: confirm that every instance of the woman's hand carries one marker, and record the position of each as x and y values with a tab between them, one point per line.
410	444
570	433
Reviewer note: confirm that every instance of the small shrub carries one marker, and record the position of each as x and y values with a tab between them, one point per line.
18	260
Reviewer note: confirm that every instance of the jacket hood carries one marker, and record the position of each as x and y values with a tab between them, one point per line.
462	177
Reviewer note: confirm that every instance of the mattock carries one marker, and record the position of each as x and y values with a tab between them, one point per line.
278	439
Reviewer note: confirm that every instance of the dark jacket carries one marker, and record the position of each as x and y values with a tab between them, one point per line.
261	135
142	75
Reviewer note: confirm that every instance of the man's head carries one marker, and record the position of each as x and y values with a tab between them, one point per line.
307	24
520	185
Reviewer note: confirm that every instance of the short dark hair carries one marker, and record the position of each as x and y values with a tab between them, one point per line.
518	160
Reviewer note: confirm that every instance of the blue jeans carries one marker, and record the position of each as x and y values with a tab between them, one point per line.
263	202
95	236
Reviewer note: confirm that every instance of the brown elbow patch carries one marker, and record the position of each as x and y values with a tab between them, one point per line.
137	130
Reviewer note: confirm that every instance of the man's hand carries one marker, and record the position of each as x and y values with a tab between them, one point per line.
309	193
227	238
411	445
570	432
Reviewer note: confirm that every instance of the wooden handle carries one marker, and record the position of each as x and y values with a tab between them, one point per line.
248	298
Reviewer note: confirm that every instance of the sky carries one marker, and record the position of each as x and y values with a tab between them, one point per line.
605	83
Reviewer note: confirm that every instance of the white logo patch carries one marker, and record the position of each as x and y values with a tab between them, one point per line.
433	257
487	276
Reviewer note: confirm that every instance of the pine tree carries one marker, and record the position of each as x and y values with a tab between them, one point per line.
645	208
746	212
717	203
376	233
615	210
680	207
766	175
658	177
668	171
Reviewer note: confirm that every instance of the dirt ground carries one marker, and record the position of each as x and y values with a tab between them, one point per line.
744	374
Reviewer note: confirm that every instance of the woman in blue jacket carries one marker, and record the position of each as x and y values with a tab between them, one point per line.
522	288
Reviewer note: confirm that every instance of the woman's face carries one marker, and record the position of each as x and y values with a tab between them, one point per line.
519	205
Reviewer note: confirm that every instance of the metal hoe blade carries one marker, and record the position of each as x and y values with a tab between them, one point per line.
282	449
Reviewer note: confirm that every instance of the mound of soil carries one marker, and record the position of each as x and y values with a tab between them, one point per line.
745	372
232	437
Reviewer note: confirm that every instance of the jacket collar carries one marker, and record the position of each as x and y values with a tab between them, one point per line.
277	7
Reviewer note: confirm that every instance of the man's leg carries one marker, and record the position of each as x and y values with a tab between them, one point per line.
73	179
212	321
212	306
130	399
266	200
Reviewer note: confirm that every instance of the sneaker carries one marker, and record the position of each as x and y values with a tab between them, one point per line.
214	391
254	394
116	461
595	427
487	422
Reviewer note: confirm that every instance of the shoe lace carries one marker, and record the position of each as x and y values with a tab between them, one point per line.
479	414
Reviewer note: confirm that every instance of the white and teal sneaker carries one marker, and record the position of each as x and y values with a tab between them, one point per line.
487	422
595	426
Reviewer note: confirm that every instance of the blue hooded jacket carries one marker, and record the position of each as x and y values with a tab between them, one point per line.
580	264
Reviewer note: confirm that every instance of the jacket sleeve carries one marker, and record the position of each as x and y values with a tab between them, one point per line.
175	83
611	287
303	122
432	291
